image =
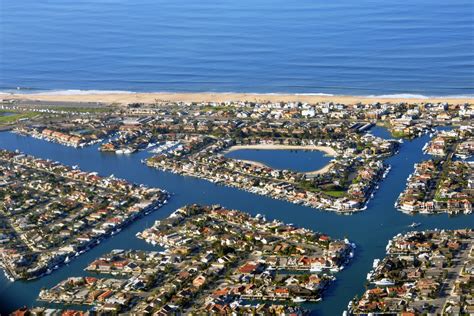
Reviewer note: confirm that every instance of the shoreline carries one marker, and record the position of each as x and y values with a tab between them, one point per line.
326	149
153	97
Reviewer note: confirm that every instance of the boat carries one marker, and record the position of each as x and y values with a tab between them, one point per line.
129	151
384	282
316	269
369	276
376	263
298	300
413	225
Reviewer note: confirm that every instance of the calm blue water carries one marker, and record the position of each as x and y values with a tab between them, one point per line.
297	160
370	229
351	47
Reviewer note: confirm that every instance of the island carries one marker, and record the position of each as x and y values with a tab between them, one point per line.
210	260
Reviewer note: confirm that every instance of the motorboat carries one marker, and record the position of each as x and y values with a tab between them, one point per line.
384	282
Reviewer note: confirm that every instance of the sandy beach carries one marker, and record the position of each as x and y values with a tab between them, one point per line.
125	98
324	169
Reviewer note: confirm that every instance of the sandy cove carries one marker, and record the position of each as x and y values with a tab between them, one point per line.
125	98
326	149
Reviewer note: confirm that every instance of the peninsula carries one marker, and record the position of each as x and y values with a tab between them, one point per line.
427	272
51	213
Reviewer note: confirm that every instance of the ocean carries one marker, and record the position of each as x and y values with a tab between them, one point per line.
344	47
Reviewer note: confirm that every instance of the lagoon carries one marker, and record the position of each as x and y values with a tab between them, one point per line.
295	160
370	229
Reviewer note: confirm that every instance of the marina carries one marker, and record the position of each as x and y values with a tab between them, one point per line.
384	221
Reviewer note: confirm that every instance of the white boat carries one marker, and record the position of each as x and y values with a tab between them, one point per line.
384	282
299	299
413	225
376	263
316	269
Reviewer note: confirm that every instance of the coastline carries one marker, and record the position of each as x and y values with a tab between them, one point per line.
153	97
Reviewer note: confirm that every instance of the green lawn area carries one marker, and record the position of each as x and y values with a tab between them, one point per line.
337	194
400	134
9	119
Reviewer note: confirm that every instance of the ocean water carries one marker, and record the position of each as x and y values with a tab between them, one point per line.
366	47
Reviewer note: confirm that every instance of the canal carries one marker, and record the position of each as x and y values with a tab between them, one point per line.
370	229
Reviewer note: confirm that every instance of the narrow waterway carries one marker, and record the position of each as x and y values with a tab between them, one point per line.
370	229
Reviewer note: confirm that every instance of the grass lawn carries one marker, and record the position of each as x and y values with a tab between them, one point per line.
337	194
9	119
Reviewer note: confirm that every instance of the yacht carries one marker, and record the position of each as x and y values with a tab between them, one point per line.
384	282
299	300
376	263
413	225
